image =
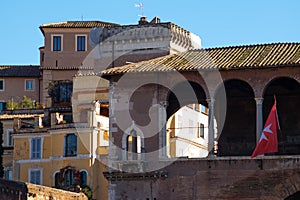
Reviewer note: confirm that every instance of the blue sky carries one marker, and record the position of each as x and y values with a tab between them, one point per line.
217	22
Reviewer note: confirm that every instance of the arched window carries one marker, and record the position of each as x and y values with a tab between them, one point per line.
133	146
69	177
57	180
83	178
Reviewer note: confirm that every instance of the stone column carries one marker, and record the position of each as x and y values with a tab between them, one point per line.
163	133
211	127
259	117
112	154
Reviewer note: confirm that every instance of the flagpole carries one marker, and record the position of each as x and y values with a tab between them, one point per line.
276	112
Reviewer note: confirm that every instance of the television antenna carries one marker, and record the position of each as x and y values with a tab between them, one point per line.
141	7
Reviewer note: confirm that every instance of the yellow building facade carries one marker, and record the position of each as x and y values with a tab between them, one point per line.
63	155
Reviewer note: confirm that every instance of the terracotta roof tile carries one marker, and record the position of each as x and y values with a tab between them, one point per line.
20	71
78	24
233	57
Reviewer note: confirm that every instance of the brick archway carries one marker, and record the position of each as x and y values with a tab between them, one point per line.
237	136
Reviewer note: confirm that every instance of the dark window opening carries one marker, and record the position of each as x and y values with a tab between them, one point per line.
70	145
56	43
80	43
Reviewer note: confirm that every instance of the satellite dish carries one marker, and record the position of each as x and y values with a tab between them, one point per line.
96	35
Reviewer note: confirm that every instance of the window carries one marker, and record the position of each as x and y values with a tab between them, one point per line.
191	127
29	85
36	148
200	130
70	145
80	43
69	177
2	106
8	174
57	43
83	178
57	180
61	91
9	137
35	176
1	85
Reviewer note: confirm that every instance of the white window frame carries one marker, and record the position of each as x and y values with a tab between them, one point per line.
8	132
1	90
30	149
33	84
35	169
62	42
85	45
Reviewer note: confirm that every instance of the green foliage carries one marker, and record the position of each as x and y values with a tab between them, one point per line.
1	151
87	191
26	103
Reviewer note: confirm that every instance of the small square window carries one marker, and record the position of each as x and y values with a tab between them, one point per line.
35	176
1	85
57	43
29	85
81	43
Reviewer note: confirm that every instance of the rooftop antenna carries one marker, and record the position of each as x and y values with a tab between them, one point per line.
81	17
141	7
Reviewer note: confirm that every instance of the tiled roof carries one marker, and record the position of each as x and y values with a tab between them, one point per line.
22	116
19	71
78	24
235	57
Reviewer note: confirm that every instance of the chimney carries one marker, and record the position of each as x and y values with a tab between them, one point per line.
155	20
143	20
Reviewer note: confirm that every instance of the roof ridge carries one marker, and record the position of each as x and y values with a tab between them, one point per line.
246	45
19	65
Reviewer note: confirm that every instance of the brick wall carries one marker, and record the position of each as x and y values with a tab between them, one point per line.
11	190
221	178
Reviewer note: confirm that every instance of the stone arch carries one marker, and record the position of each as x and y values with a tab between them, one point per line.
287	92
133	131
185	93
238	135
288	188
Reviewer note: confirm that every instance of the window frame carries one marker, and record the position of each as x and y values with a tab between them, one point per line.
9	131
40	170
3	106
3	85
66	146
76	42
33	85
201	129
61	42
86	176
31	150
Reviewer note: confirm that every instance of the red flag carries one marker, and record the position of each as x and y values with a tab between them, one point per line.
268	141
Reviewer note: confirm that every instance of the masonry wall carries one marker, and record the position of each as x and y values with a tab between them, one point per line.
12	190
227	178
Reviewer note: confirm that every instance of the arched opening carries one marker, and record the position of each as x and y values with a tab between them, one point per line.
187	124
295	196
287	93
184	94
57	181
133	146
83	177
238	135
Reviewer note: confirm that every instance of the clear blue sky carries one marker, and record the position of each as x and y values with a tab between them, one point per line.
217	22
